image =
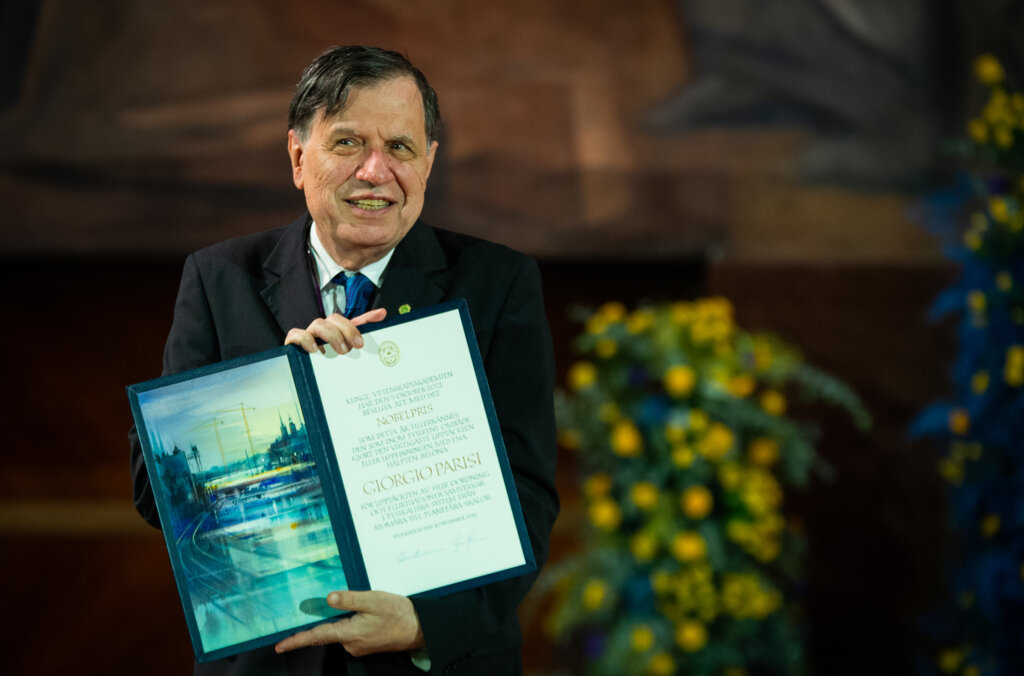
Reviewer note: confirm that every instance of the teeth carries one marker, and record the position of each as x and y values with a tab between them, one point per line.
370	204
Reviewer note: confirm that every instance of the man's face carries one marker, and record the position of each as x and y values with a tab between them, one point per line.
364	170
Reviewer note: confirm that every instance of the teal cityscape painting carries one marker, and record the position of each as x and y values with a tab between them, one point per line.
241	499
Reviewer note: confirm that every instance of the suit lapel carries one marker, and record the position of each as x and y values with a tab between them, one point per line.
291	295
409	279
290	292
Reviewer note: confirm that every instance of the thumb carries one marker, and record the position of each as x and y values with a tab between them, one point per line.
346	600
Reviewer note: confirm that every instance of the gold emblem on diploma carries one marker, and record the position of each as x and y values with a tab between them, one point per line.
388	353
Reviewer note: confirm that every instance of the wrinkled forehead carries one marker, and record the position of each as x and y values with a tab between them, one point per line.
395	103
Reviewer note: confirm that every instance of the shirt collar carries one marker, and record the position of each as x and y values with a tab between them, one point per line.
327	268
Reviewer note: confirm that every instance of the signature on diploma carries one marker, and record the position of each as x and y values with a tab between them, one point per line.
404	556
464	541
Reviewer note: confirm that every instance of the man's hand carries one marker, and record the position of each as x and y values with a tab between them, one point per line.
337	331
382	622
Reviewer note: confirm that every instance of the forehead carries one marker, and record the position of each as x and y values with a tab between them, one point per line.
392	107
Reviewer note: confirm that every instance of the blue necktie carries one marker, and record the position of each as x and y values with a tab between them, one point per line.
358	290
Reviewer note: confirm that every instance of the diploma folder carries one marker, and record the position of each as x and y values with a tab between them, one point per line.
282	476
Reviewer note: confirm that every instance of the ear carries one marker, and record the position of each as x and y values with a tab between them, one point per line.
296	152
431	154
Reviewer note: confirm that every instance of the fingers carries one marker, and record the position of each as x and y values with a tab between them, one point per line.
337	331
303	339
382	622
361	602
371	316
322	634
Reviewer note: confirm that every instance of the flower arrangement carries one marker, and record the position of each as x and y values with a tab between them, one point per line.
981	429
690	563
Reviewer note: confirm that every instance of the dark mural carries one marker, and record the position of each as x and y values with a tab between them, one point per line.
579	130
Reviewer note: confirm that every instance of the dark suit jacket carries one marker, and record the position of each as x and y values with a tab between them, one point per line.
243	295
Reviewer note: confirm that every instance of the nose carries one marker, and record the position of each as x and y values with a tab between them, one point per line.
374	168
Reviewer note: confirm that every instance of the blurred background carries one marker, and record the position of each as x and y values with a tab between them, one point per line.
776	154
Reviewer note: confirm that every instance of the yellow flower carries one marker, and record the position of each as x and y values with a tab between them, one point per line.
596	325
773	402
1013	369
1004	281
977	301
763	356
597	484
960	421
744	597
661	664
730	475
679	380
644	495
612	312
764	602
977	130
661	581
971	670
988	70
605	315
682	456
716	307
626	440
582	375
979	382
643	546
606	347
640	321
990	525
696	502
691	636
641	639
763	451
761	492
741	386
605	514
594	593
681	313
675	433
717	443
688	546
951	471
1004	136
950	660
999	208
972	240
698	420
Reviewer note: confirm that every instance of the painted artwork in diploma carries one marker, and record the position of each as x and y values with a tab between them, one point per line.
244	500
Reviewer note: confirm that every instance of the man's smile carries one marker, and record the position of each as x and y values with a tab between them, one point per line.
375	204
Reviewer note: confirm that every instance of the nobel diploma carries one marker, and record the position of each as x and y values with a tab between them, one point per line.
282	476
418	458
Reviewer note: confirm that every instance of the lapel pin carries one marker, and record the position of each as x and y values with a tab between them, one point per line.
404	309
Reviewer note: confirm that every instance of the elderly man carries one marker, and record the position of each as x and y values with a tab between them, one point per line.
362	139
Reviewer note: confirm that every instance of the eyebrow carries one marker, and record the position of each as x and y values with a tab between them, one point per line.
345	131
407	139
